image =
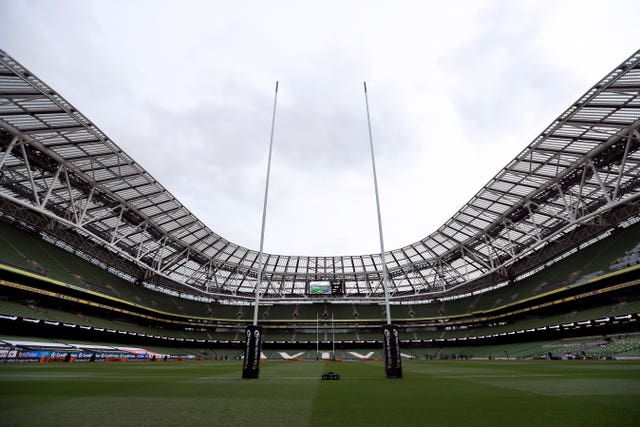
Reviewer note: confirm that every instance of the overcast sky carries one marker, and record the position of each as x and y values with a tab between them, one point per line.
456	90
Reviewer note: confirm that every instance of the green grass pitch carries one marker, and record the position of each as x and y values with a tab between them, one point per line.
432	393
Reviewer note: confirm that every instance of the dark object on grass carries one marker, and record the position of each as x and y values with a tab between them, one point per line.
330	376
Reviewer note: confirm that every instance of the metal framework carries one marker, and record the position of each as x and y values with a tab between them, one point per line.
66	178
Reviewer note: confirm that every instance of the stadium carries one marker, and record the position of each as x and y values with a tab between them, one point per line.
101	263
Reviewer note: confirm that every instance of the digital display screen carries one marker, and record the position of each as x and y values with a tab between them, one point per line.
319	288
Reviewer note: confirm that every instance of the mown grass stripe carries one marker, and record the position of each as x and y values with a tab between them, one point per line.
434	393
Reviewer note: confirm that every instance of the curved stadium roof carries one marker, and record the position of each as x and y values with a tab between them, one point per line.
62	175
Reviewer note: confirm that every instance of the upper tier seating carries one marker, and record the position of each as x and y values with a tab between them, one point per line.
27	251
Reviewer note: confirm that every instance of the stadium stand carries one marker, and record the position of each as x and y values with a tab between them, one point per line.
603	255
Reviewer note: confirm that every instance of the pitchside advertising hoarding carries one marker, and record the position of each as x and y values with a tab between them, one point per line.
392	359
16	355
253	346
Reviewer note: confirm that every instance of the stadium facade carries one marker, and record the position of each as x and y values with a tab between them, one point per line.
63	181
